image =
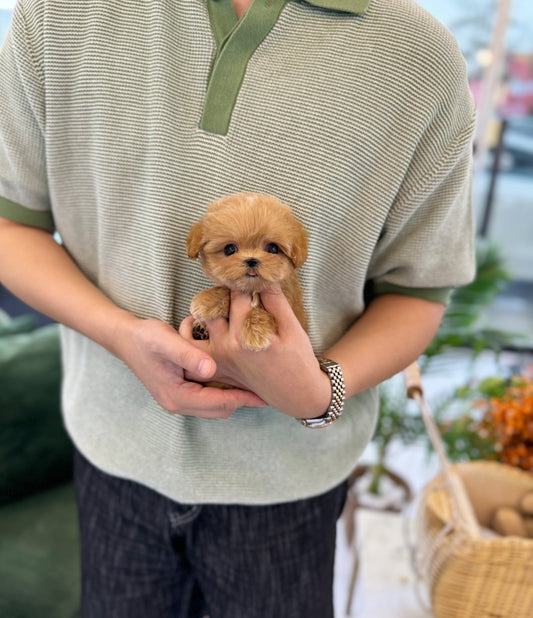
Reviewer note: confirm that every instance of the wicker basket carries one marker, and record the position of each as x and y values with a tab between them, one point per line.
466	574
466	571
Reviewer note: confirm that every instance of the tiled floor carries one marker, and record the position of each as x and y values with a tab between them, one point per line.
386	585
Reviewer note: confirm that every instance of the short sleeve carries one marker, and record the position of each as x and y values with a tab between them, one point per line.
427	243
24	195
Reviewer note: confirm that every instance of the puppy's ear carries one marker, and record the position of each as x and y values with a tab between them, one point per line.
194	241
299	246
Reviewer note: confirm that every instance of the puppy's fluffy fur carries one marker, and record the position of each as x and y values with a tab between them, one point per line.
248	242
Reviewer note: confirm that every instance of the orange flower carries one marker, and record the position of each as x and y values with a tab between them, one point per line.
509	419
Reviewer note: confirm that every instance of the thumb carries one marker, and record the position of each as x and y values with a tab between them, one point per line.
206	367
191	359
194	361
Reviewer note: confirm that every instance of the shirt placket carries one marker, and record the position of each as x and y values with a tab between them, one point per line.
236	40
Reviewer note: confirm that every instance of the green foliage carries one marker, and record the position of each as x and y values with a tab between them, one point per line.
458	422
463	441
494	386
395	422
459	326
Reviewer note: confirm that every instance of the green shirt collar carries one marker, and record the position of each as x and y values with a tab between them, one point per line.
236	42
348	6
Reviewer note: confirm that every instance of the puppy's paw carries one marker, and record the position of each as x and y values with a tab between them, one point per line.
210	304
199	331
258	330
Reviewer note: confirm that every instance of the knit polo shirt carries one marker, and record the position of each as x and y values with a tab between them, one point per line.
122	119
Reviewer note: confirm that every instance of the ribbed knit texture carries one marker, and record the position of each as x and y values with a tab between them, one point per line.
362	123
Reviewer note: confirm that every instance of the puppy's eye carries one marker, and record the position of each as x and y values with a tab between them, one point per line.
272	248
230	249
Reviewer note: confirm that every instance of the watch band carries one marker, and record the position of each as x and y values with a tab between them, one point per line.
338	394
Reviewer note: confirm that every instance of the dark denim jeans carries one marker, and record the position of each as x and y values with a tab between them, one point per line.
145	556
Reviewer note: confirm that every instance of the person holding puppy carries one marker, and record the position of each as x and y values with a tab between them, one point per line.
120	123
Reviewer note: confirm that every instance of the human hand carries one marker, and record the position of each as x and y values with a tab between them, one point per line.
159	357
286	374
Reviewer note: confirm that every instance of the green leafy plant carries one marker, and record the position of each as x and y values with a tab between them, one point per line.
460	325
459	422
394	423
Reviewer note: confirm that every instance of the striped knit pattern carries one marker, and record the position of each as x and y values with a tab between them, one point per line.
362	123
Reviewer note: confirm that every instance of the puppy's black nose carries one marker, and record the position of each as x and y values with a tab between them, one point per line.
251	262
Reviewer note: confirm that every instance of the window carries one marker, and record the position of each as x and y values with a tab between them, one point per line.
504	181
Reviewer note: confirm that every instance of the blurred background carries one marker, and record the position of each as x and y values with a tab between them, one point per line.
496	38
487	334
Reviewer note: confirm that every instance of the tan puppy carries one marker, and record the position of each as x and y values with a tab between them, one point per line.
248	242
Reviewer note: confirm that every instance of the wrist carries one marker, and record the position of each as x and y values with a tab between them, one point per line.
118	329
323	397
308	398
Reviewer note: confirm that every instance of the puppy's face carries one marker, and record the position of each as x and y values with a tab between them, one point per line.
248	242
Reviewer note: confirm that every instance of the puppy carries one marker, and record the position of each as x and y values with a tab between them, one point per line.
248	242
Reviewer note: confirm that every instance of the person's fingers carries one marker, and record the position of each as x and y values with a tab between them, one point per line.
276	303
217	328
190	358
240	307
238	398
185	328
211	402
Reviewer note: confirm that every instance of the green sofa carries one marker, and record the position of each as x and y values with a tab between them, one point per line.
39	555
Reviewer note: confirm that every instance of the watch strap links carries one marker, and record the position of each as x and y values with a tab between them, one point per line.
338	395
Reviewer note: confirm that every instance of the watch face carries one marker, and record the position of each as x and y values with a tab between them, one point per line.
326	363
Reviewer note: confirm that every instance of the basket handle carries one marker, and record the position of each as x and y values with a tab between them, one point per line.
458	493
413	380
413	387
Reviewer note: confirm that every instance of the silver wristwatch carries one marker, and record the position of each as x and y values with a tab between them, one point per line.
338	394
